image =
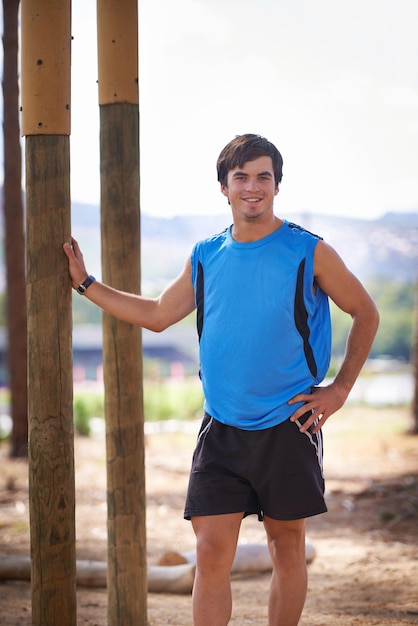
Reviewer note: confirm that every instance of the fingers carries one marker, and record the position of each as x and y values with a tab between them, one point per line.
317	419
314	403
308	405
76	266
301	397
72	250
74	244
322	403
68	249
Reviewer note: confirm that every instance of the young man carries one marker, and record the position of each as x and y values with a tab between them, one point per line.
261	292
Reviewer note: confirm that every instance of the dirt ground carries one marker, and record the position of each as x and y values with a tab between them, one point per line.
366	566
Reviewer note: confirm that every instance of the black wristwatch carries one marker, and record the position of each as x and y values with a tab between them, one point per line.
85	285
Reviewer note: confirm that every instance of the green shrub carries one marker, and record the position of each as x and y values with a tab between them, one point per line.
167	400
81	417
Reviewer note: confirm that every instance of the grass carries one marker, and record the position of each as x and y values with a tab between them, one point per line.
163	400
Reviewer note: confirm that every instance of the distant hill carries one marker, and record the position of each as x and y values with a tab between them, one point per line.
382	248
386	247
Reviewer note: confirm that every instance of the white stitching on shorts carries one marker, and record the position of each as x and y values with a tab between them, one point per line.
207	427
318	446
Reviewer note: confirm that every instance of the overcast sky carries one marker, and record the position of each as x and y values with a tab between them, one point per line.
333	83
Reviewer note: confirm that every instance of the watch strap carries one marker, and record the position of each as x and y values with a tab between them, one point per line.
82	288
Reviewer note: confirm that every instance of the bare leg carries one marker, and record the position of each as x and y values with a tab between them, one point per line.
217	537
288	587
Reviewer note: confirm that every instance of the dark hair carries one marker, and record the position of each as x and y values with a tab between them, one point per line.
247	148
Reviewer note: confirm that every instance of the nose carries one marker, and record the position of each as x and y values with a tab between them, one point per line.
252	184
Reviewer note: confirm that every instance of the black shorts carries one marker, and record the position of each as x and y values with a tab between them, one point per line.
275	472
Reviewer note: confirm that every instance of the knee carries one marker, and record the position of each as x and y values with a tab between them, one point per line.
213	557
287	552
287	546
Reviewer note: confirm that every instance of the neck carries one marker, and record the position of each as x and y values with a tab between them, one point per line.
245	231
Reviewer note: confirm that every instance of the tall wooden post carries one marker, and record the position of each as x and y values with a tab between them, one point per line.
122	347
14	233
46	51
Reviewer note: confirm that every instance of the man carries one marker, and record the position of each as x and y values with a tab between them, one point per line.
261	292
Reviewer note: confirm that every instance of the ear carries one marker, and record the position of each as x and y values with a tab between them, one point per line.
224	190
276	191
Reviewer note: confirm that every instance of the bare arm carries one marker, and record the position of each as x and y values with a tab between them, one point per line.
350	296
156	314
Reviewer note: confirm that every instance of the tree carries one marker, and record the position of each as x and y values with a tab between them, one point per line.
14	235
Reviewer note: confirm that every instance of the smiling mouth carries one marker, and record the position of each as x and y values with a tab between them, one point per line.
252	200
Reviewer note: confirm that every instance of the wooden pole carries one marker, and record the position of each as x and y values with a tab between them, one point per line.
14	234
46	51
122	343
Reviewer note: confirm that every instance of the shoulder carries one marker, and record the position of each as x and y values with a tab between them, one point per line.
300	241
325	253
300	231
328	263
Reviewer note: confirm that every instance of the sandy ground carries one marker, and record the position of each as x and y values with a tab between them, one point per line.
366	568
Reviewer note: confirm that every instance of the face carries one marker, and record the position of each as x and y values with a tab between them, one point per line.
251	189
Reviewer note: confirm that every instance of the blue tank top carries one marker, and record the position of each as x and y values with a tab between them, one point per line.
264	328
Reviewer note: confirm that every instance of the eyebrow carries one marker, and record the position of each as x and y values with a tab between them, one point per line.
241	173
